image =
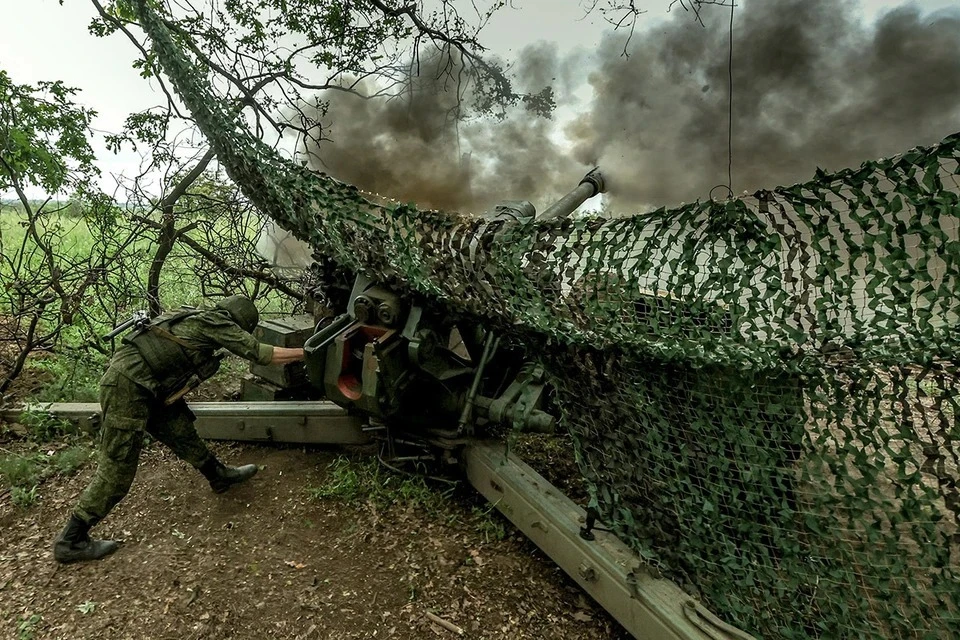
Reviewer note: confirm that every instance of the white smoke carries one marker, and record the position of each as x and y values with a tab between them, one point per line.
287	256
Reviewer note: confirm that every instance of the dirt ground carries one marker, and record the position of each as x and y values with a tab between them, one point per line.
267	560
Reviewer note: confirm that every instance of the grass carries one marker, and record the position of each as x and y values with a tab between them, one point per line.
489	524
74	233
70	460
22	472
74	376
43	427
179	283
365	481
27	626
24	498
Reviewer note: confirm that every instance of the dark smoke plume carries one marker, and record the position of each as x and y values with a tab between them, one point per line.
412	148
813	87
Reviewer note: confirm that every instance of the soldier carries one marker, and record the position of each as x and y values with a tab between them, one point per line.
142	392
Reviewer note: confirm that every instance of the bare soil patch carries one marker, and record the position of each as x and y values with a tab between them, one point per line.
266	560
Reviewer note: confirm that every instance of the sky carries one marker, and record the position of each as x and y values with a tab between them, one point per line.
43	40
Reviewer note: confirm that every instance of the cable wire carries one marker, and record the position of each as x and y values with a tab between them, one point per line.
730	106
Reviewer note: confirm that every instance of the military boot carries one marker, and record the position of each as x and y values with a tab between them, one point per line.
222	477
74	544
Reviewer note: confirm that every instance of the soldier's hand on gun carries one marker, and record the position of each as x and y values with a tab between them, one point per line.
286	355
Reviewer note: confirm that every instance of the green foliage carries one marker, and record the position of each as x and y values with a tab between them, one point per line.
60	266
43	137
20	471
488	522
74	370
367	481
45	427
24	498
74	375
87	607
69	461
23	471
26	470
145	127
27	626
71	268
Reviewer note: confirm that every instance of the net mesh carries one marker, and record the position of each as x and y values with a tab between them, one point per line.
762	391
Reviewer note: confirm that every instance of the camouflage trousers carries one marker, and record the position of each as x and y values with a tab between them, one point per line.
129	411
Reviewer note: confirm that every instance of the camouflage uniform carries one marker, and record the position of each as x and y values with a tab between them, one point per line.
132	404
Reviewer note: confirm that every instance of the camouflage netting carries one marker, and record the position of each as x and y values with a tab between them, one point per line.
763	391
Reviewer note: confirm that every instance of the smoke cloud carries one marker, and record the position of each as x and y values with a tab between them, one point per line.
413	148
813	87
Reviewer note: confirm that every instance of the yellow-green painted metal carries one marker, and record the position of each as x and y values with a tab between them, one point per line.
294	421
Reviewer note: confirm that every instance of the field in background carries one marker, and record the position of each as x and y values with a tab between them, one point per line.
69	371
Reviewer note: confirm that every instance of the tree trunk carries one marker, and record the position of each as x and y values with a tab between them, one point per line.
169	232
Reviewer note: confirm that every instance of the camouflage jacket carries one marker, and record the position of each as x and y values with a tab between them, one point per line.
209	330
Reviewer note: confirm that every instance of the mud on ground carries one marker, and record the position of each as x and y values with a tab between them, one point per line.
265	560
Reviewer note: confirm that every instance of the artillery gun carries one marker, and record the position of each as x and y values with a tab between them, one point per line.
424	380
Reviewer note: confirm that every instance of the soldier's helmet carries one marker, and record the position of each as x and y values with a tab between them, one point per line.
242	310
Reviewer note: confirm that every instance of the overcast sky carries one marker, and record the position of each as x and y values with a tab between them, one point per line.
43	40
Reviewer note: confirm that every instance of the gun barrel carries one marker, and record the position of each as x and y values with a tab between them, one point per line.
591	185
137	318
119	329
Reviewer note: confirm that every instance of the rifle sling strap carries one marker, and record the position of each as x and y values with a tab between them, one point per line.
163	333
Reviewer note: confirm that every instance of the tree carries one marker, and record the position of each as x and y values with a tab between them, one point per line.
623	14
45	289
73	263
44	138
203	220
182	203
275	57
193	198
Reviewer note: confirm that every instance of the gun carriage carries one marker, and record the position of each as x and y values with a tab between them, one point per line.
421	378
